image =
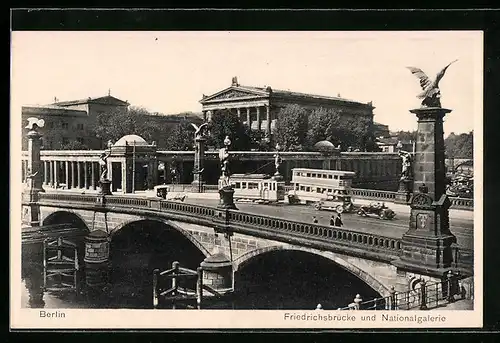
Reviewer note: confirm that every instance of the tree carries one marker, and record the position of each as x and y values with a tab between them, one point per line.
74	145
323	124
291	128
460	146
406	136
181	137
225	123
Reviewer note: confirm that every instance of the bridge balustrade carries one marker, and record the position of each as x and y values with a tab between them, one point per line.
237	220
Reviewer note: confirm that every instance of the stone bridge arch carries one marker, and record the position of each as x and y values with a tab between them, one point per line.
361	274
66	217
166	222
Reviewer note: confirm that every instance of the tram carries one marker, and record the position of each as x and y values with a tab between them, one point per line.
257	187
325	189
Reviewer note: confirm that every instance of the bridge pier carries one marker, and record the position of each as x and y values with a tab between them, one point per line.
97	263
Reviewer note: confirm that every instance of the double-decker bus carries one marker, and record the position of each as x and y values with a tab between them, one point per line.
326	189
257	187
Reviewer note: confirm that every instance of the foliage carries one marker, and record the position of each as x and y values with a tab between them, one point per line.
74	145
180	137
406	136
329	124
118	123
291	128
225	123
459	146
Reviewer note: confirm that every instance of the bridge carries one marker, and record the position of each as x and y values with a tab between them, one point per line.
241	235
224	241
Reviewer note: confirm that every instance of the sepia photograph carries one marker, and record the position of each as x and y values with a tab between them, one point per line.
246	179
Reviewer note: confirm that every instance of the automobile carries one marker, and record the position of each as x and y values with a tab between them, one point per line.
163	191
378	209
339	204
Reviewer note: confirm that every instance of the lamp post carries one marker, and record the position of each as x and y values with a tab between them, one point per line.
226	190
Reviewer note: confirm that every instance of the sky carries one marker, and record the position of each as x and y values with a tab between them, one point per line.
168	72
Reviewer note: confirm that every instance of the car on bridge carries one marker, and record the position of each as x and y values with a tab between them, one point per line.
378	209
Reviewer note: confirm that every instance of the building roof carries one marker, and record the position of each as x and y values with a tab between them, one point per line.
131	140
241	91
104	100
52	110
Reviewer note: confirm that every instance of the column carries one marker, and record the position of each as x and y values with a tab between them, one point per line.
51	167
249	123
268	122
66	167
238	110
73	176
86	174
258	118
79	173
45	173
31	212
92	172
56	174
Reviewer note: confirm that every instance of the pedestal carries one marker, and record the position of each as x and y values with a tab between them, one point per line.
218	273
105	187
226	198
404	192
427	245
96	262
197	186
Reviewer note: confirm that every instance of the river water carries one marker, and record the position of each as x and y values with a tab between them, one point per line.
278	280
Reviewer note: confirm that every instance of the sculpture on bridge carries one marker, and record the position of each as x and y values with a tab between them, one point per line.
431	94
277	160
406	168
199	130
103	162
224	158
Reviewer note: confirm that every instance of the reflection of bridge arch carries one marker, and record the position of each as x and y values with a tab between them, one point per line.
66	217
166	223
364	276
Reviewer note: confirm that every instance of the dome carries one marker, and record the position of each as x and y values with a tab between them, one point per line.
324	144
129	140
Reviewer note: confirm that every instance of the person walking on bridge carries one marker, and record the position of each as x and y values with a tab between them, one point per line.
315	220
332	221
338	220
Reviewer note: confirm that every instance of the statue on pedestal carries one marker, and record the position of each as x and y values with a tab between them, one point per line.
103	162
224	159
406	167
277	160
431	94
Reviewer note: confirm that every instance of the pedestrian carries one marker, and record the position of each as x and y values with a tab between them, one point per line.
332	221
338	220
315	221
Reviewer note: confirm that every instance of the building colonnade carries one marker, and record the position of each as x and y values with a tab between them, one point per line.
256	117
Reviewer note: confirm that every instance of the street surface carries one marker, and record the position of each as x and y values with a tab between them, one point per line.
461	228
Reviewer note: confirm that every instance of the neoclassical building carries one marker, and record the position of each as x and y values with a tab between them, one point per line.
258	106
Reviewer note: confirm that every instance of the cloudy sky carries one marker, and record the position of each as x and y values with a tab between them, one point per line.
169	71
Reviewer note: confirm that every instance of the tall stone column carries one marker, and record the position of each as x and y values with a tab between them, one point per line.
66	174
427	243
258	118
45	173
33	185
199	157
51	172
56	174
79	173
73	176
249	123
268	122
93	176
86	175
238	111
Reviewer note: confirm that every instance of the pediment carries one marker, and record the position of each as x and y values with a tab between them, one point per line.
233	93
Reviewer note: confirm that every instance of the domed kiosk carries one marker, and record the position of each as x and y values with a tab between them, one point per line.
132	164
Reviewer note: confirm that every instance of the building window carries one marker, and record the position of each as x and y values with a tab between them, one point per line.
65	125
65	140
79	126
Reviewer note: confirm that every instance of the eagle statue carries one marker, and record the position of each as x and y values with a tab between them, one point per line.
34	123
198	132
431	94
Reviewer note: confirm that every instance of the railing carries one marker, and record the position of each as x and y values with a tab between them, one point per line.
324	237
271	227
373	194
426	295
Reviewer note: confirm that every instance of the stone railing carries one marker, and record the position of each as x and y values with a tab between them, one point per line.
373	194
343	240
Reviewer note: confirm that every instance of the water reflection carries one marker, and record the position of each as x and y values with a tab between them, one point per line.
276	280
